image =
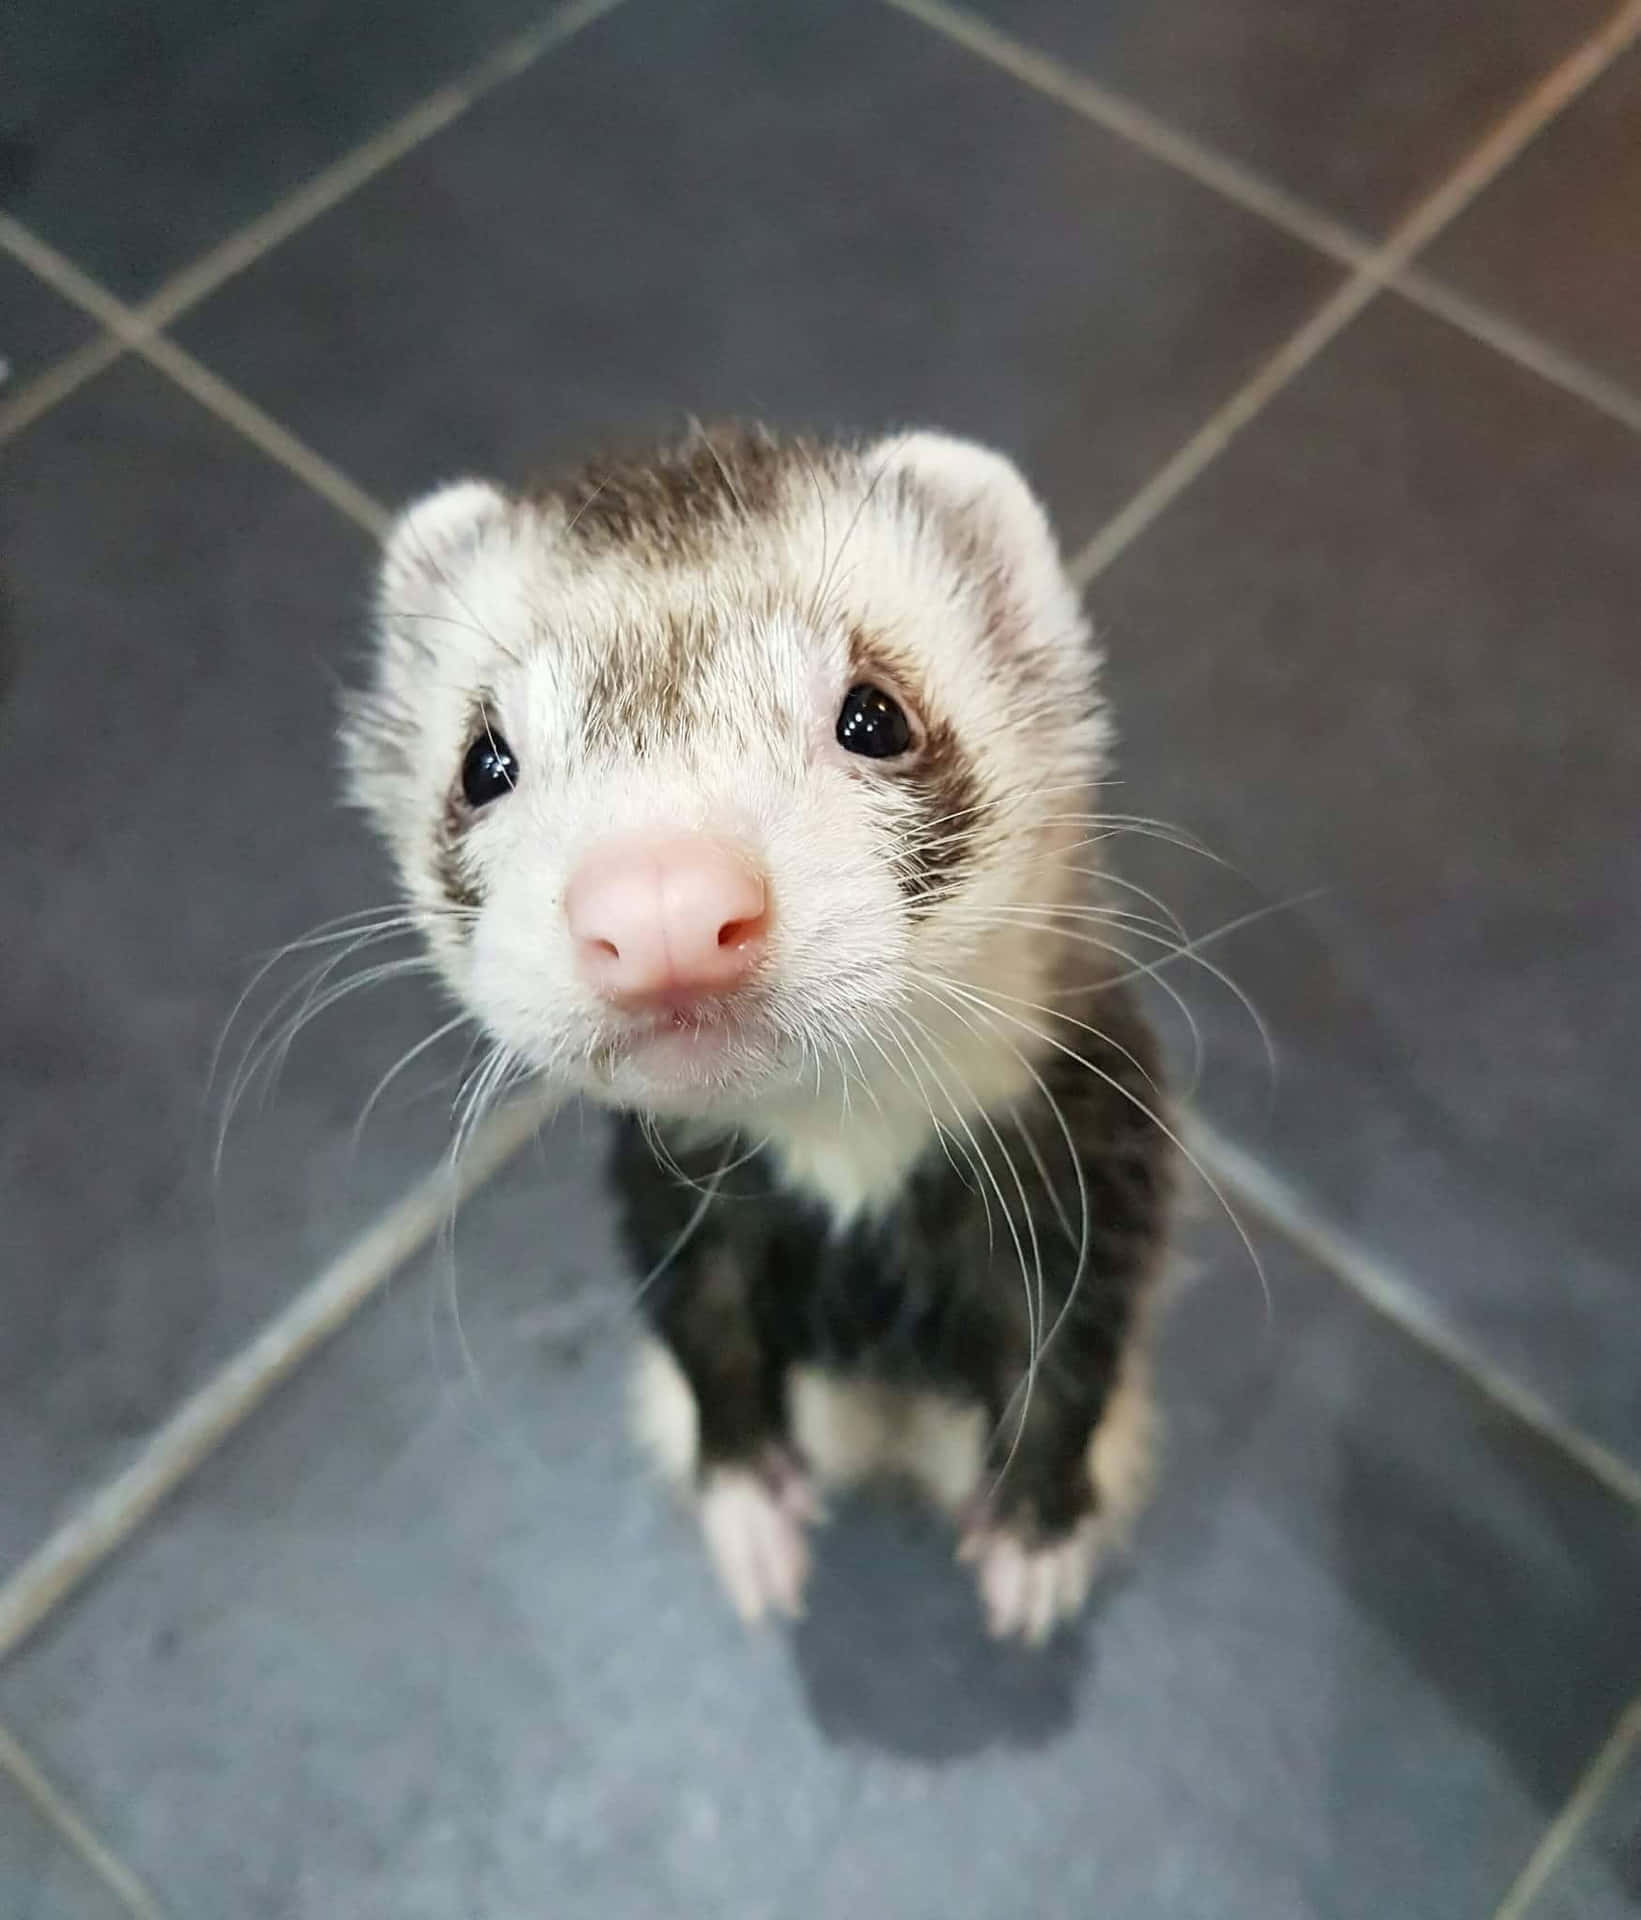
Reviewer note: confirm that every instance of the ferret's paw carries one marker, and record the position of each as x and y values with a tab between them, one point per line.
754	1520
1028	1590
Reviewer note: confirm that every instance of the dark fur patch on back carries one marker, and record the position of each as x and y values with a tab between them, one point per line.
666	505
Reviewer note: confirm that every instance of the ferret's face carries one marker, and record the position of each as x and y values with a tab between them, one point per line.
703	777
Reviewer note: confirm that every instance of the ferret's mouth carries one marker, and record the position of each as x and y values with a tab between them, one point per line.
684	1050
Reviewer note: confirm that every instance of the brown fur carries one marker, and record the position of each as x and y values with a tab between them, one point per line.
671	506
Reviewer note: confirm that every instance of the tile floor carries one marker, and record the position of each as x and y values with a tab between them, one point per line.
413	1637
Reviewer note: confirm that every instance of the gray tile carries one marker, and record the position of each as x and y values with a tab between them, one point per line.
35	327
1385	649
881	229
1553	243
135	138
180	612
423	1641
1600	1876
1360	110
41	1876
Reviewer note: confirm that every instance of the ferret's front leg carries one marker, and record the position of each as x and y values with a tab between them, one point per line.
1069	1466
712	1406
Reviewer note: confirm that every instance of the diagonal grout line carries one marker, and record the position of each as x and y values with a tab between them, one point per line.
129	327
264	432
197	1427
1397	1299
1375	267
328	188
1124	118
1559	1836
1480	167
60	1813
1141	128
62	276
1516	343
1217	432
57	382
1516	131
209	1415
162	353
239	1387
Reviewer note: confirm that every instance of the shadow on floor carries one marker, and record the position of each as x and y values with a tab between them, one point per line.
893	1652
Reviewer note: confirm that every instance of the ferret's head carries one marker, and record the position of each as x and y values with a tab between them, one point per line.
705	776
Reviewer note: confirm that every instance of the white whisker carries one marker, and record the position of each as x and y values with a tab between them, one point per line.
1150	1113
1033	1301
404	1060
709	1193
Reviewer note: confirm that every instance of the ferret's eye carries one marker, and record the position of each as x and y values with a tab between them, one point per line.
490	769
870	723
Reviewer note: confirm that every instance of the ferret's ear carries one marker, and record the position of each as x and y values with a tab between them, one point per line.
427	550
982	488
432	537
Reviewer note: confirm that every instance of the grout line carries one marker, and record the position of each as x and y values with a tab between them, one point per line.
1375	267
1387	265
343	177
330	1299
59	1813
57	382
1125	119
1397	1299
1559	88
196	380
1516	343
1480	167
62	276
214	1410
1559	1836
264	432
1141	128
1221	427
130	327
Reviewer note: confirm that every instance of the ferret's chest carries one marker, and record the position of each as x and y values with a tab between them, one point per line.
886	1292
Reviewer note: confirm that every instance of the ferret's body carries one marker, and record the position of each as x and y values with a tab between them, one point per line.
747	791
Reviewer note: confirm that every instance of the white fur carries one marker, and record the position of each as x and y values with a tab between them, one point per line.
849	1049
1027	1591
846	1054
431	534
757	1543
847	1431
851	1431
754	1524
666	1420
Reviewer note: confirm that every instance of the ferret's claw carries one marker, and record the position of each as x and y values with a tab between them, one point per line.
754	1526
1028	1591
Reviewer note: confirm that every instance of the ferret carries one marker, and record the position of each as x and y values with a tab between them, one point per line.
747	789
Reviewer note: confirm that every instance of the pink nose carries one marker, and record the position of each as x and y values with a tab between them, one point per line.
666	919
